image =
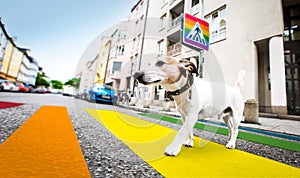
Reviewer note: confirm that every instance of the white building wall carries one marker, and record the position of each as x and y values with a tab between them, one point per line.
277	72
247	21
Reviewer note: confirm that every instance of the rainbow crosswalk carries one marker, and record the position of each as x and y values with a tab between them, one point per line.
148	141
46	146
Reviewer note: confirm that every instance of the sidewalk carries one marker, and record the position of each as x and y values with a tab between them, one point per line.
284	126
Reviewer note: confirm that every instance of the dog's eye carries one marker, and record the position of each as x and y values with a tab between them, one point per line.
159	63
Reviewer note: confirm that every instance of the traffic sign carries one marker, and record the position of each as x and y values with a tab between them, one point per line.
195	32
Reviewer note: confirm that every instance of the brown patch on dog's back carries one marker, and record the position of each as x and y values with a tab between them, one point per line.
171	60
228	110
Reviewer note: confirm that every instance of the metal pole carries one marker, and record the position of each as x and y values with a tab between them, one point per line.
200	65
201	59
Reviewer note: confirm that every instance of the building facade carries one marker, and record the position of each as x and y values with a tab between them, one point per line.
15	63
258	36
28	70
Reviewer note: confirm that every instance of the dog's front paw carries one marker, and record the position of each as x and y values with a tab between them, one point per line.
172	151
230	145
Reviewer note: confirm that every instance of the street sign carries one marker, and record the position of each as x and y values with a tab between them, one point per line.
195	32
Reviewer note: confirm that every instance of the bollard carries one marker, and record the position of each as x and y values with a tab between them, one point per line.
166	105
147	103
251	111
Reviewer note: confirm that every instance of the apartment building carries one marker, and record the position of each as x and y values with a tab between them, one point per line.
15	63
28	70
3	42
133	47
101	63
119	65
259	36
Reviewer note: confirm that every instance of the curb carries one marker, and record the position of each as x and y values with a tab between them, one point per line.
175	114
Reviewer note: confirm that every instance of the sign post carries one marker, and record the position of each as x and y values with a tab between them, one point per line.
195	35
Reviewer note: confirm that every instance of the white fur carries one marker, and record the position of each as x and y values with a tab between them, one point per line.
203	104
208	99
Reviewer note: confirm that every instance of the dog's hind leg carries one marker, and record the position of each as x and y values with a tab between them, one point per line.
235	120
228	122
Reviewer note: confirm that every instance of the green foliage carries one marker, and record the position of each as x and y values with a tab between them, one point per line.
41	81
73	82
56	84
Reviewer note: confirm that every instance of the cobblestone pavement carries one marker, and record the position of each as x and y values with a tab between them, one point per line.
105	155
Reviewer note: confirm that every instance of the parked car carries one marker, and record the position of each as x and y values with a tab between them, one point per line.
9	85
47	90
30	87
101	93
39	90
22	88
68	91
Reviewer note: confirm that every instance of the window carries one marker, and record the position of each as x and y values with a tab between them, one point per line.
163	2
120	50
138	40
121	35
133	43
116	66
195	2
163	21
217	22
161	47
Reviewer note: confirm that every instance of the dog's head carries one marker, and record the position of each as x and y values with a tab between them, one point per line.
166	71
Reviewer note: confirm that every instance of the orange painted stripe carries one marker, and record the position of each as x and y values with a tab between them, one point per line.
44	146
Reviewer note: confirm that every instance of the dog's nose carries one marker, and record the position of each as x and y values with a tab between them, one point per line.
138	75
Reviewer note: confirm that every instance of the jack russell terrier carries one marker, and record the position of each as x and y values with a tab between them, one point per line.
194	98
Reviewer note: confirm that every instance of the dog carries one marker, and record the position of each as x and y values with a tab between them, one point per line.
196	98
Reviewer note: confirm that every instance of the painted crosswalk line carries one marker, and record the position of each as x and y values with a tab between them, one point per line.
148	141
222	129
5	104
44	146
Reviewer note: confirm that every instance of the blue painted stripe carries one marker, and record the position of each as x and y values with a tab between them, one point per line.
265	132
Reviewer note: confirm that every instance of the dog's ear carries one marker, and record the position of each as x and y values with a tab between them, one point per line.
189	66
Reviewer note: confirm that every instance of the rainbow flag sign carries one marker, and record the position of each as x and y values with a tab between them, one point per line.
195	32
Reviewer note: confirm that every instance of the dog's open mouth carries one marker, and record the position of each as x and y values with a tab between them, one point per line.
155	81
151	78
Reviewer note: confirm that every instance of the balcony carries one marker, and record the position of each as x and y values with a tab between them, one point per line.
174	23
174	49
171	2
195	9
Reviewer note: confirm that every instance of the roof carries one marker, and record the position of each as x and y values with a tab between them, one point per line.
24	50
135	5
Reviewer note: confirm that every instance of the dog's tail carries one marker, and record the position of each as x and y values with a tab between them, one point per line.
241	79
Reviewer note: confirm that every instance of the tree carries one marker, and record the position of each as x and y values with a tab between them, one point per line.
56	84
73	82
41	81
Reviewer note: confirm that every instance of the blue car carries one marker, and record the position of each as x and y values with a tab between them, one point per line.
101	93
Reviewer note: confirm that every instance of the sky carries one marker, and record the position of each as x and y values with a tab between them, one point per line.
58	31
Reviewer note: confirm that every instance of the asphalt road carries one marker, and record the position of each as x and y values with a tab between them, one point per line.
104	154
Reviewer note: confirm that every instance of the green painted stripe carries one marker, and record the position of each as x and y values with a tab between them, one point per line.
284	144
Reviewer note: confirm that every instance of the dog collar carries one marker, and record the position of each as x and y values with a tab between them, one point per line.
187	85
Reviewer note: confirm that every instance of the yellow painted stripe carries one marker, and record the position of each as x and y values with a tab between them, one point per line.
44	146
148	140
